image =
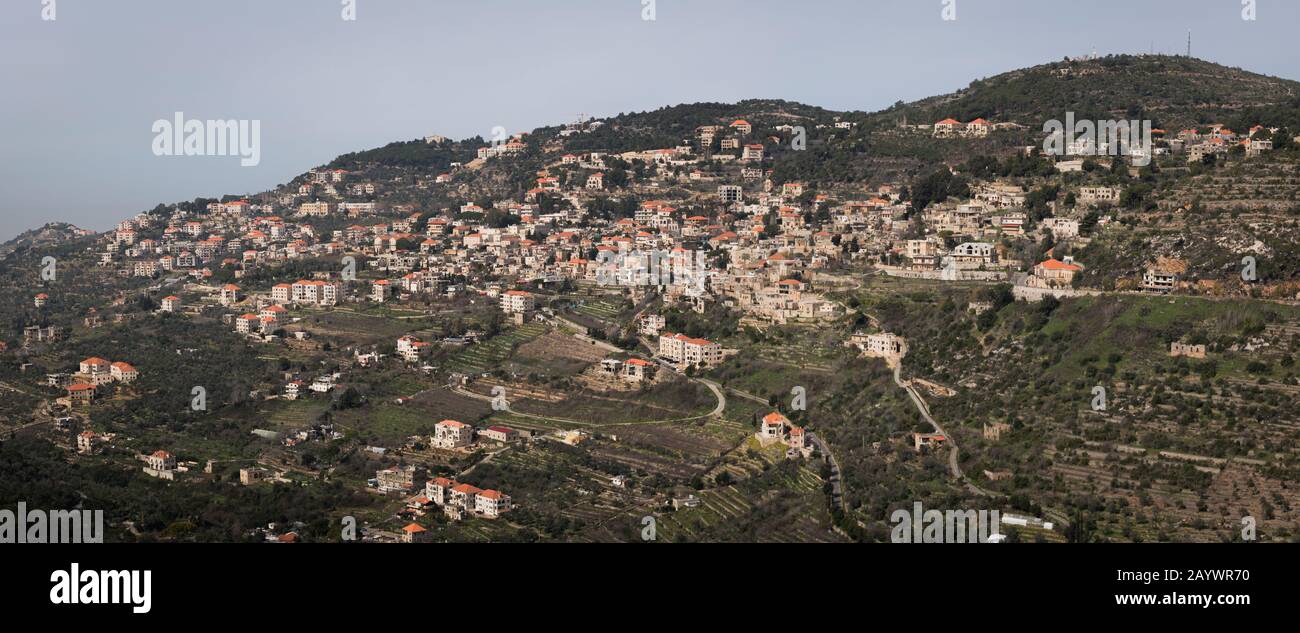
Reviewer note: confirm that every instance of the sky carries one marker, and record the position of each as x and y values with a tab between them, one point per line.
79	94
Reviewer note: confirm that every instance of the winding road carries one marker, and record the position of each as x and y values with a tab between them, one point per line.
924	409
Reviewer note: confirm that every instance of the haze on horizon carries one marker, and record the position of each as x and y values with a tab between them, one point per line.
85	89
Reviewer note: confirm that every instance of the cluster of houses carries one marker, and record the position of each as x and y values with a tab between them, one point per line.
460	499
457	500
93	373
764	250
949	128
1218	140
324	383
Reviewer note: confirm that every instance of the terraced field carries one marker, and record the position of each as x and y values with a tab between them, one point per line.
477	359
748	460
791	510
814	358
602	309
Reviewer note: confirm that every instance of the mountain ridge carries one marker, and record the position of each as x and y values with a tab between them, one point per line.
1032	95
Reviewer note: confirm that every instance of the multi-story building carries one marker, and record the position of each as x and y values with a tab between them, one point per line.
1098	195
491	504
396	479
161	461
323	293
517	302
450	434
688	351
651	324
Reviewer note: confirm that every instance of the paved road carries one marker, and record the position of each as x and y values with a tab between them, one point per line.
837	492
953	465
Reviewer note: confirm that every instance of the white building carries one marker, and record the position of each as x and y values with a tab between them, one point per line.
517	302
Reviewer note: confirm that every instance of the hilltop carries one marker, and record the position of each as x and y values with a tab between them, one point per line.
1175	92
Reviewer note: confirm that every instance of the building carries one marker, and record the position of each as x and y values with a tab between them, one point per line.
81	393
314	209
1184	349
1098	195
86	442
414	533
1158	279
250	476
491	504
171	304
1062	228
948	128
500	434
927	441
411	348
772	426
322	293
1054	273
246	323
380	290
464	497
636	370
775	426
160	464
517	302
396	479
450	434
993	432
687	351
921	255
884	345
651	324
123	372
728	194
973	254
94	366
797	439
438	489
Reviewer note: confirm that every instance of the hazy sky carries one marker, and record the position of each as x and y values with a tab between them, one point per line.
79	94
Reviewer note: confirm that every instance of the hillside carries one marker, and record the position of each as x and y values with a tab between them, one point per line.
48	235
328	325
1174	92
